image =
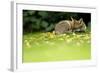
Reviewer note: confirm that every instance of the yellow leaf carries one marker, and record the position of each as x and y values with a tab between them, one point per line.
73	33
28	44
67	36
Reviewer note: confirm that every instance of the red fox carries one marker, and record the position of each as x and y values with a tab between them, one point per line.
67	26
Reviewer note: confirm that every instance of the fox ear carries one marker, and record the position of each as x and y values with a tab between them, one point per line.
80	20
72	19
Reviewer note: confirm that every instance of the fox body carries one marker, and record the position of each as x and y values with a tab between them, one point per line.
67	26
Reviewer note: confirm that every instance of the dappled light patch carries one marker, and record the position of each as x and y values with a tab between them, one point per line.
47	36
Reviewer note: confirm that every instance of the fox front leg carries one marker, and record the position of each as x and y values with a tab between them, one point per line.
74	30
69	31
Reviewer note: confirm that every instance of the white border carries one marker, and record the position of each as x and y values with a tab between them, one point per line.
16	61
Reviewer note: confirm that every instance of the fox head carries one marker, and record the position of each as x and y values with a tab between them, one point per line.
78	24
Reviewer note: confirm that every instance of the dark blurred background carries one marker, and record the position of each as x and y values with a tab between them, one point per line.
34	21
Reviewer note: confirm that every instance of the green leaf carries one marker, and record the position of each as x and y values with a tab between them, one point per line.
50	27
44	24
31	12
43	14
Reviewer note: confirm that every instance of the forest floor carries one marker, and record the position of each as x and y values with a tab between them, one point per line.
43	47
